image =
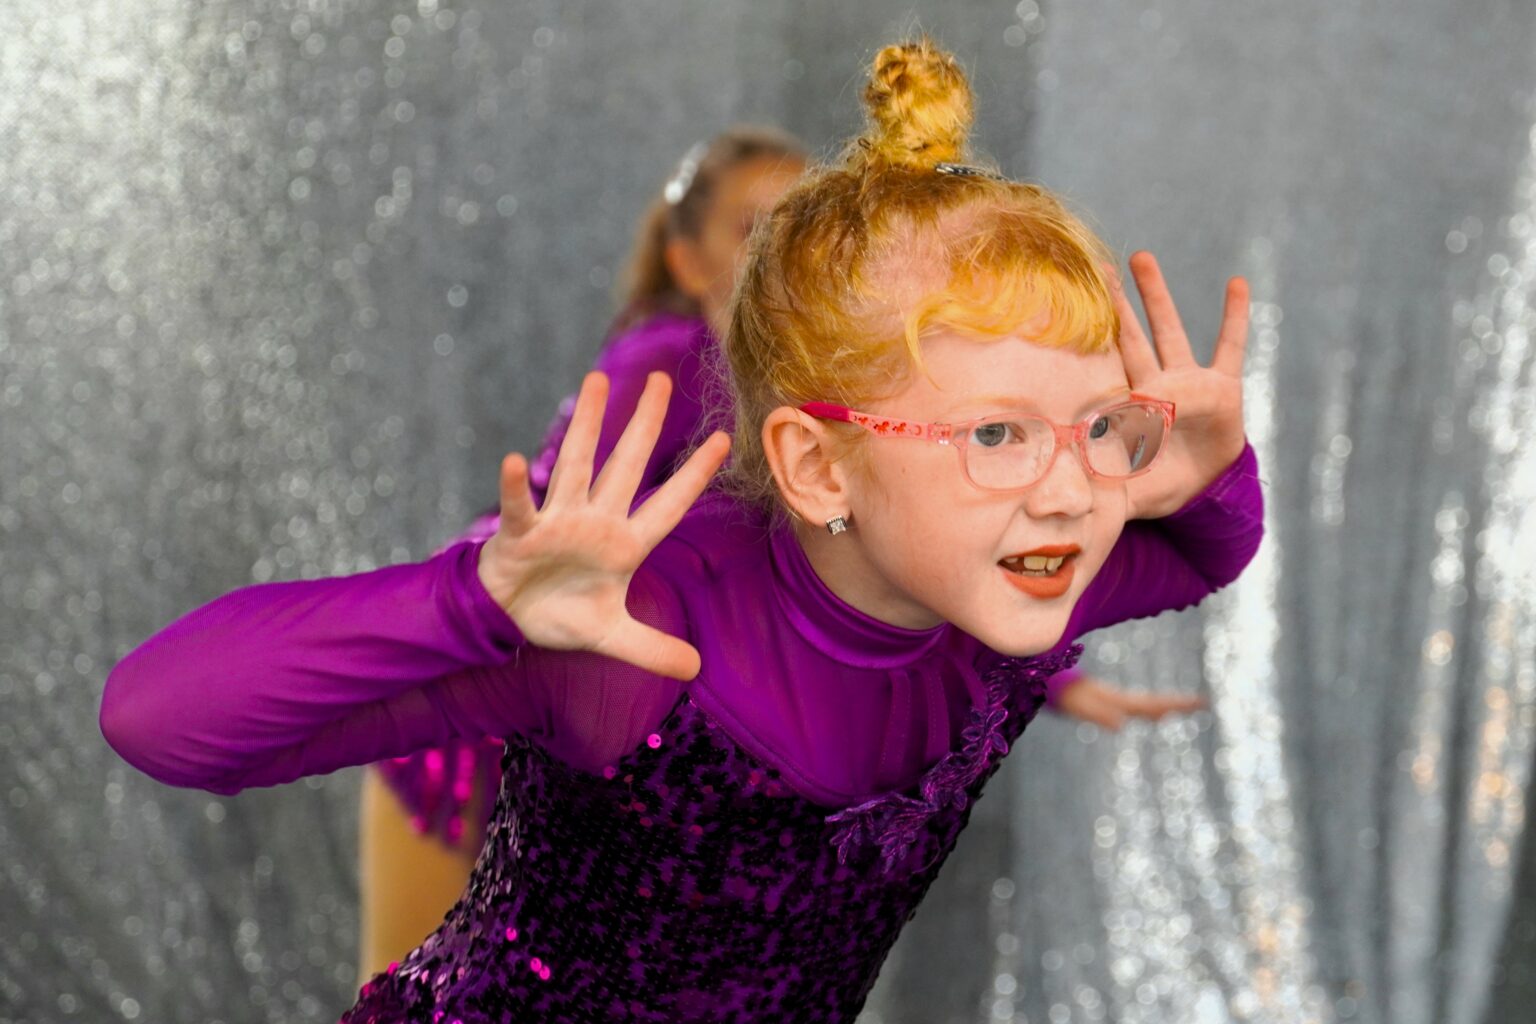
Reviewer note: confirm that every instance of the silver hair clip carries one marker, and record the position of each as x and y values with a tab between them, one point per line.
967	171
681	181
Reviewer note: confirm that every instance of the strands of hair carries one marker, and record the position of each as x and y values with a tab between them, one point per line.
867	254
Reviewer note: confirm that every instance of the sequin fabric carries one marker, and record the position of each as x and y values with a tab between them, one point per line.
688	883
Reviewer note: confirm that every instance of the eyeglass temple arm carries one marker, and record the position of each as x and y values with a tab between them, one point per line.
884	426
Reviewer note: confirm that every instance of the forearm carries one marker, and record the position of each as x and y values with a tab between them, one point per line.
1218	533
219	692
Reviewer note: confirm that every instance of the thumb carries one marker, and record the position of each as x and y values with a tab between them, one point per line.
650	649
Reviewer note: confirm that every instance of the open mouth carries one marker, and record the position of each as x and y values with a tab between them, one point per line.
1034	565
1043	572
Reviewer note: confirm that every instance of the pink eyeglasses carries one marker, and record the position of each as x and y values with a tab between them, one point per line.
1012	451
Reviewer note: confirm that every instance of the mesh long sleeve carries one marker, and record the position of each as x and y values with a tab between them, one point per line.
277	681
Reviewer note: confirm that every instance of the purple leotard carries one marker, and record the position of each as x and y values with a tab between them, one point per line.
436	786
744	847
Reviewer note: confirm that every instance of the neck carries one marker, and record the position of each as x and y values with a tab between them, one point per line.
844	565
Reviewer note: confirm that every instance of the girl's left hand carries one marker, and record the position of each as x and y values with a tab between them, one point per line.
1109	707
1208	425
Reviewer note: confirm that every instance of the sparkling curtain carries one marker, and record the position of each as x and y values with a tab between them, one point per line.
280	280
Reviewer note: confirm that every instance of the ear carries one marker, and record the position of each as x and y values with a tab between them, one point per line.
803	456
682	259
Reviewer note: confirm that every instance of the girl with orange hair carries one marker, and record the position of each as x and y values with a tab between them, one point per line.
423	815
745	727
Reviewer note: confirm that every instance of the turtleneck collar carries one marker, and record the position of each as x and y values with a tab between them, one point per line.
832	625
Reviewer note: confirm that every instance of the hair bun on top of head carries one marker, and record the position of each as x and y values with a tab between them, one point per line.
919	106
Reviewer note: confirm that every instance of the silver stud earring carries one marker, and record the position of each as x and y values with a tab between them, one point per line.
837	525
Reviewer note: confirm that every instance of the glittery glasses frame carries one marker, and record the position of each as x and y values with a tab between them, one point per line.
957	435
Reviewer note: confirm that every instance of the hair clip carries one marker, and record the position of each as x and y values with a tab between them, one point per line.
967	171
677	187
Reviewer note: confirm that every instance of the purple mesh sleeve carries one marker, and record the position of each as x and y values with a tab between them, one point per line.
274	682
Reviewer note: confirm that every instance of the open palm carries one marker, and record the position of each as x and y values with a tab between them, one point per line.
1208	426
562	571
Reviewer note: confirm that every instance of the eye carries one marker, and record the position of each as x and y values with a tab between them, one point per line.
996	434
1098	428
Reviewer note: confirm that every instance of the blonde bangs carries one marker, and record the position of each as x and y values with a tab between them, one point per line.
1042	306
1039	279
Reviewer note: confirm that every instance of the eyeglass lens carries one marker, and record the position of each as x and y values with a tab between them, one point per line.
1009	452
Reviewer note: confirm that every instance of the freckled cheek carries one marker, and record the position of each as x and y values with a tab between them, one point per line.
957	556
917	535
1100	542
1109	502
924	502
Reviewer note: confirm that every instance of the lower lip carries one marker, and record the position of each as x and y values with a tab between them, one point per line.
1043	587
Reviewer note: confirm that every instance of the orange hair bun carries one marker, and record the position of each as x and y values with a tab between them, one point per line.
919	106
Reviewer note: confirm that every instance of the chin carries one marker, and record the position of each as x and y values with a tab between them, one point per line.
1023	641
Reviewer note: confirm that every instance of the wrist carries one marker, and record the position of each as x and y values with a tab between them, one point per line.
494	581
1242	465
1185	480
477	611
1058	684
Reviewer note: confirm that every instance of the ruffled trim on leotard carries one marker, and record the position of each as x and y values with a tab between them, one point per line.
894	822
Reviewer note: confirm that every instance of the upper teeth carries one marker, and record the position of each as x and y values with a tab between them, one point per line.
1037	563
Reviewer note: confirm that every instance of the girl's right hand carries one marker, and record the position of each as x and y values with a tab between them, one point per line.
562	571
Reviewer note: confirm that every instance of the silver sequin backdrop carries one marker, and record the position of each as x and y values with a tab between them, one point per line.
281	279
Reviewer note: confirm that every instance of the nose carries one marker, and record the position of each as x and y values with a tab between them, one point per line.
1064	490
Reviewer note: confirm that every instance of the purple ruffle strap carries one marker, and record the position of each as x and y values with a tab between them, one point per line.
893	822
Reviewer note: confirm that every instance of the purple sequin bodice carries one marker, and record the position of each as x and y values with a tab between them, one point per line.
688	883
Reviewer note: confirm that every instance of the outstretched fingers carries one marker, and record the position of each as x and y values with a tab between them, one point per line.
1232	341
1135	350
1153	706
666	505
1162	315
625	468
517	507
572	474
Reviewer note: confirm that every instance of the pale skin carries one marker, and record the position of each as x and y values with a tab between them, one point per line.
706	268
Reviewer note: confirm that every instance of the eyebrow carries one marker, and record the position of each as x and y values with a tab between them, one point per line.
1124	390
